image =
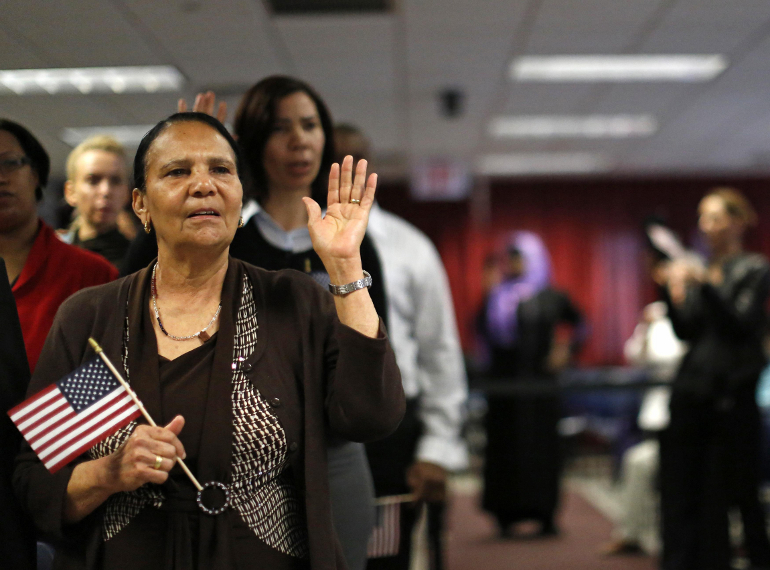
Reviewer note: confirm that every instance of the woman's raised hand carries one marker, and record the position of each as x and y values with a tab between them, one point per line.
147	456
337	236
205	103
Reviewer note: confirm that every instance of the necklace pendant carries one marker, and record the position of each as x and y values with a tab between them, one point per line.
204	336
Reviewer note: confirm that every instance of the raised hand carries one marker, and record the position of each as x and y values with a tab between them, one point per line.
205	103
337	236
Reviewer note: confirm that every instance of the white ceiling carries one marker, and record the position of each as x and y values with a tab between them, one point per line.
383	72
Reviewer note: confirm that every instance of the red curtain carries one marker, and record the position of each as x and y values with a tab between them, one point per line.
593	230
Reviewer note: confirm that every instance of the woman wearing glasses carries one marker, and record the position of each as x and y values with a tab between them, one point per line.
42	270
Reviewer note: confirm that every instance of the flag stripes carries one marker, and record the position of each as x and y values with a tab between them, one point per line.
386	535
72	415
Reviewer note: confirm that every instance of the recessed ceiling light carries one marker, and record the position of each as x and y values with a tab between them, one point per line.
88	80
618	67
541	163
128	135
563	126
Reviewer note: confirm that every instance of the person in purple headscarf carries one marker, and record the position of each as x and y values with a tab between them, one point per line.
519	324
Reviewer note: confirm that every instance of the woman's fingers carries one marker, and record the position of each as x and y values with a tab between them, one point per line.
346	179
371	187
175	426
160	463
160	448
314	214
205	103
222	112
357	191
334	185
157	439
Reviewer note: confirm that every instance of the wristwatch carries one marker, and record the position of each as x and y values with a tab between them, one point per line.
341	290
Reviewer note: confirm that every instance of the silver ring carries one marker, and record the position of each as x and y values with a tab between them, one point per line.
354	201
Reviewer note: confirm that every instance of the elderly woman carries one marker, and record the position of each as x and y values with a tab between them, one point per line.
247	369
285	132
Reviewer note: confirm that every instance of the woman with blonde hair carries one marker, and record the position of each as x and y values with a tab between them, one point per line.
709	453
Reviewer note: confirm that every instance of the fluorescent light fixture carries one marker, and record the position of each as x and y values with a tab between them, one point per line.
128	135
88	80
618	68
541	163
564	126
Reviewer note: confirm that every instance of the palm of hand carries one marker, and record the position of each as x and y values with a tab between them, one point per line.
339	233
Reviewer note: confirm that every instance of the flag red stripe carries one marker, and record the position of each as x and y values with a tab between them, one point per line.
30	404
56	403
100	415
44	438
49	422
92	441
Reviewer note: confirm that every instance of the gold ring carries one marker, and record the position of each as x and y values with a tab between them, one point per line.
354	201
158	462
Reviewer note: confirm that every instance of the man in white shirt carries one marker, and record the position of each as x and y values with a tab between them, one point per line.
423	333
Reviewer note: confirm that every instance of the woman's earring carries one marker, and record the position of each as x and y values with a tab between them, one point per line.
147	227
240	222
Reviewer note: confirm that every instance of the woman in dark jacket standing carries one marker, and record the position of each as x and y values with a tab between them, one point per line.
710	451
286	133
248	400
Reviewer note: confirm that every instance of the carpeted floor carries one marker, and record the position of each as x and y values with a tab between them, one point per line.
473	543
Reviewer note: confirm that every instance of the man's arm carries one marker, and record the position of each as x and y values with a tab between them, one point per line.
441	377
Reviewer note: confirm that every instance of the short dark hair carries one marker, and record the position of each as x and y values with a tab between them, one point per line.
253	126
140	160
41	163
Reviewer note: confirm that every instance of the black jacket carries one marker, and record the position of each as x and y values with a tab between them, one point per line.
17	541
724	325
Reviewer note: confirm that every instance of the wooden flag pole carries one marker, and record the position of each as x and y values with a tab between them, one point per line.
139	404
394	500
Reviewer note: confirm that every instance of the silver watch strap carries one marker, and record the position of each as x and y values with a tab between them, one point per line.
350	287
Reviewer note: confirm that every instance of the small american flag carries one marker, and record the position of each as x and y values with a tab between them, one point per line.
386	535
74	414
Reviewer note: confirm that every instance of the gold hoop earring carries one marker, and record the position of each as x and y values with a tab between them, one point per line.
240	222
147	227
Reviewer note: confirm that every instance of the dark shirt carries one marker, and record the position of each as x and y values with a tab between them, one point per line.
17	541
111	245
538	318
317	375
724	325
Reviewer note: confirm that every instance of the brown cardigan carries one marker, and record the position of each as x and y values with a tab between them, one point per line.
326	376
